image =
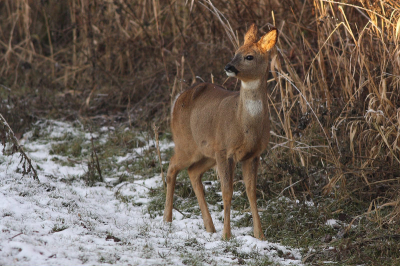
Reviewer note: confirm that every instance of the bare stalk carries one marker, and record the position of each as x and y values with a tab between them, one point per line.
7	135
155	128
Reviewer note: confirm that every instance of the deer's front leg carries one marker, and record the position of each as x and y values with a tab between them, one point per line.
250	168
225	168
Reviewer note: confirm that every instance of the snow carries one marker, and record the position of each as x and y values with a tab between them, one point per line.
331	222
62	221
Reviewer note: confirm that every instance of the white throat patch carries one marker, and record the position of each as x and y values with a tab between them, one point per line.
254	107
251	85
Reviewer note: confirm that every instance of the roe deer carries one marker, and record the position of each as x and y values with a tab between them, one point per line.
211	125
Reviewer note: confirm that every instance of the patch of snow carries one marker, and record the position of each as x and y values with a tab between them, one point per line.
62	221
331	222
309	203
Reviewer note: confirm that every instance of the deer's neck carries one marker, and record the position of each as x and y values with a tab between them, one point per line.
253	100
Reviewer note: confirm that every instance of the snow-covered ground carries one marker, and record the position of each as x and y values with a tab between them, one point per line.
62	221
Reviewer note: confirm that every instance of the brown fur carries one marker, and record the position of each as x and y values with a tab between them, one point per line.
213	126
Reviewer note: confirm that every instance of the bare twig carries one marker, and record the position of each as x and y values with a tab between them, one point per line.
11	238
155	128
94	156
6	134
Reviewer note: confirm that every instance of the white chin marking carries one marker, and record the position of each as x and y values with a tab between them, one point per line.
251	85
230	74
254	108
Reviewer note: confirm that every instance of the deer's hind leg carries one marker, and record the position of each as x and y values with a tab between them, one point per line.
176	164
195	172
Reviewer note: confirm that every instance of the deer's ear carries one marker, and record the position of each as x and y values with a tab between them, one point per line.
251	35
268	40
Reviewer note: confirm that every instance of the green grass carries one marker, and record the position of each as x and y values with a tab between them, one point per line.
59	228
71	149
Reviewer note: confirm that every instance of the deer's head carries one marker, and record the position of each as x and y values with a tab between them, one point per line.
251	60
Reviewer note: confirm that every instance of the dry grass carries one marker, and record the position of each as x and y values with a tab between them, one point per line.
335	77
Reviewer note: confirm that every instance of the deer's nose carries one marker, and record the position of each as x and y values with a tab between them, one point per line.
231	69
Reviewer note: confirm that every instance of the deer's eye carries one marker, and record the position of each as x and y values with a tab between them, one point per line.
249	57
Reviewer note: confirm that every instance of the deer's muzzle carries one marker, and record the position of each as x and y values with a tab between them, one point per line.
231	70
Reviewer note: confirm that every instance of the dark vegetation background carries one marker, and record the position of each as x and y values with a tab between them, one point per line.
334	88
